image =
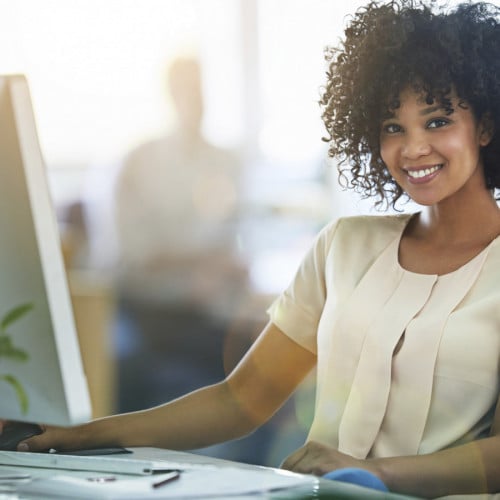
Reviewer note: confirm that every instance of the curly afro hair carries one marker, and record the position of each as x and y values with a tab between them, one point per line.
398	44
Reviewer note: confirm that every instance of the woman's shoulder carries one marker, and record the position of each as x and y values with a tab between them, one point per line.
367	226
386	221
360	235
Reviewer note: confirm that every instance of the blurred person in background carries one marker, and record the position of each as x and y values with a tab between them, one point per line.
180	278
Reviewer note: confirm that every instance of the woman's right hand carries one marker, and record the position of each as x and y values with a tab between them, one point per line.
52	437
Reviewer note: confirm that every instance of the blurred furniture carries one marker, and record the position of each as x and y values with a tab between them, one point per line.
93	306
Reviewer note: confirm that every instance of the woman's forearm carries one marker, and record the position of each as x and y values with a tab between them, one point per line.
466	469
247	398
179	424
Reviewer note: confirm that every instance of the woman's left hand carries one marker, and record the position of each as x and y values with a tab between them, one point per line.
319	459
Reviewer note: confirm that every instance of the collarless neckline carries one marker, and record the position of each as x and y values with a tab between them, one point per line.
480	256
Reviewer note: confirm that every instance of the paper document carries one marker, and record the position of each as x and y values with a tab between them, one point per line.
216	483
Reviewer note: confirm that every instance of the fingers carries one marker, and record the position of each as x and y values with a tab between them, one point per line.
50	438
293	459
316	458
36	443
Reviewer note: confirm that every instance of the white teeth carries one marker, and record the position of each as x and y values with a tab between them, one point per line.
417	174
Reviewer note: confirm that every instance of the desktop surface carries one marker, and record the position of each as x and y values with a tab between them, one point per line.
312	488
204	477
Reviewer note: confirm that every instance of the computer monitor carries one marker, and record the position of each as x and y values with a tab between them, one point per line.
41	374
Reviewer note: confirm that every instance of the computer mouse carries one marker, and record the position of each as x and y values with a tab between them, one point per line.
16	432
357	476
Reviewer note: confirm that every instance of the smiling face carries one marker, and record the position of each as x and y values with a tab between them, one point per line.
431	153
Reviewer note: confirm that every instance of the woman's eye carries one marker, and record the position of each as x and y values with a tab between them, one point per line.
437	123
391	128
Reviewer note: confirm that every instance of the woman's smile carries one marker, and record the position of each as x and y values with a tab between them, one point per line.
422	174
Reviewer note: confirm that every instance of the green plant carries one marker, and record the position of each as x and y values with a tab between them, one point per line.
10	351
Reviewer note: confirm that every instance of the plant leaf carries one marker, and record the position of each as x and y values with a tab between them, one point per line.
5	346
18	354
5	342
14	354
15	313
20	392
7	350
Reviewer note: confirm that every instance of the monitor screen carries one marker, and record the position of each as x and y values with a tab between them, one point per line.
41	374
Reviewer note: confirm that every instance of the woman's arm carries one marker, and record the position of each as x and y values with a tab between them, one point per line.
465	469
257	387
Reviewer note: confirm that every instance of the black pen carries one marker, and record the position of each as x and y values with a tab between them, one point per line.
167	479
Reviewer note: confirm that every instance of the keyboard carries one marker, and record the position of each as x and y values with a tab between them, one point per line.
118	464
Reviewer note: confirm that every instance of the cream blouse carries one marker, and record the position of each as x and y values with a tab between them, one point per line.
351	303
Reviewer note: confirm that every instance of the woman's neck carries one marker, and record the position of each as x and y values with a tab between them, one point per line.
443	238
458	222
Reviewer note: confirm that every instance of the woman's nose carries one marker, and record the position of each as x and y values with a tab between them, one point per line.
415	146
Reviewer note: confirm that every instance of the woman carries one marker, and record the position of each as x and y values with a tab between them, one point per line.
401	314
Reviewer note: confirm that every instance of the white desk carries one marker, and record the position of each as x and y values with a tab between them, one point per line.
220	472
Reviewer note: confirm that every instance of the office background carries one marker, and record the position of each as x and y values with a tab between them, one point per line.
97	69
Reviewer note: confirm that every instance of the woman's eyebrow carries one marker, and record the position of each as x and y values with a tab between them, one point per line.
428	111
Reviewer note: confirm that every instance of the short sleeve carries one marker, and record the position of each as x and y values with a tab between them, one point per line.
298	309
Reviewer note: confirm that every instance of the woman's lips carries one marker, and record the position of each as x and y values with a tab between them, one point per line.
419	175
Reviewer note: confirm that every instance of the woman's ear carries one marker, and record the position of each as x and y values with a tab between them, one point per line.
486	129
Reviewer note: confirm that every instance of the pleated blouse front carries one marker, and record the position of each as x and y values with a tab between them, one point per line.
407	362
